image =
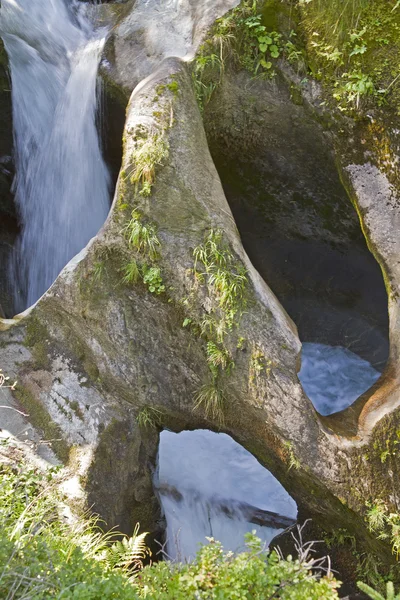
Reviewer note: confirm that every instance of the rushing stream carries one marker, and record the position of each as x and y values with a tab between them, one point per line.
62	183
207	481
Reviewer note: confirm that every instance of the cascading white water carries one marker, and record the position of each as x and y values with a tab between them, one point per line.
210	470
62	185
200	471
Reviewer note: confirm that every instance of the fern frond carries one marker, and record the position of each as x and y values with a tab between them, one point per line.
130	552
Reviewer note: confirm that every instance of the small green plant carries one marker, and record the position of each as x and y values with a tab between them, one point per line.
385	524
130	553
352	88
218	357
226	276
98	270
152	278
142	236
211	399
149	153
149	416
292	460
131	272
374	595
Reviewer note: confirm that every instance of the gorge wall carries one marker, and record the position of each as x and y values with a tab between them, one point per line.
129	324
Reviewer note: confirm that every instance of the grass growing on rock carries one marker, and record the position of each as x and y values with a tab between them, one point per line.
354	48
148	154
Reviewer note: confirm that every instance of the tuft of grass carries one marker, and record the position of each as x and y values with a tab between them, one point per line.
131	272
149	153
211	399
142	236
225	275
98	271
150	417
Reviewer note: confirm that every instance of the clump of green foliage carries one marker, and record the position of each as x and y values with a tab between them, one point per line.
253	574
150	417
43	555
150	151
152	278
375	595
239	38
142	237
226	279
385	524
223	274
354	47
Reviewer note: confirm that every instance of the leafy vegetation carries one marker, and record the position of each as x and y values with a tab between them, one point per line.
354	48
152	278
142	237
150	151
239	38
149	416
45	555
226	279
226	276
385	524
371	593
254	574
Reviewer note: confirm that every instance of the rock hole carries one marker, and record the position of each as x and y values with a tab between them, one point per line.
210	486
276	163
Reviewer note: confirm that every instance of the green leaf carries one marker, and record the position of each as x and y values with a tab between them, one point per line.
266	64
358	50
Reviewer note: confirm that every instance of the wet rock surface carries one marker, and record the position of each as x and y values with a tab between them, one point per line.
97	350
277	163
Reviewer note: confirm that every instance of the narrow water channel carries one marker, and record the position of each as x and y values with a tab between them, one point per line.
62	184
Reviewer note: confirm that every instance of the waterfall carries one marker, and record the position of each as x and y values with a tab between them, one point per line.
207	484
62	185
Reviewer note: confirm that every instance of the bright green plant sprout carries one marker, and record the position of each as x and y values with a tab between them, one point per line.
142	237
131	272
152	278
374	595
211	399
150	417
148	154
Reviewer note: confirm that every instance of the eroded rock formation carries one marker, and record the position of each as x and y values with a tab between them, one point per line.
103	345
